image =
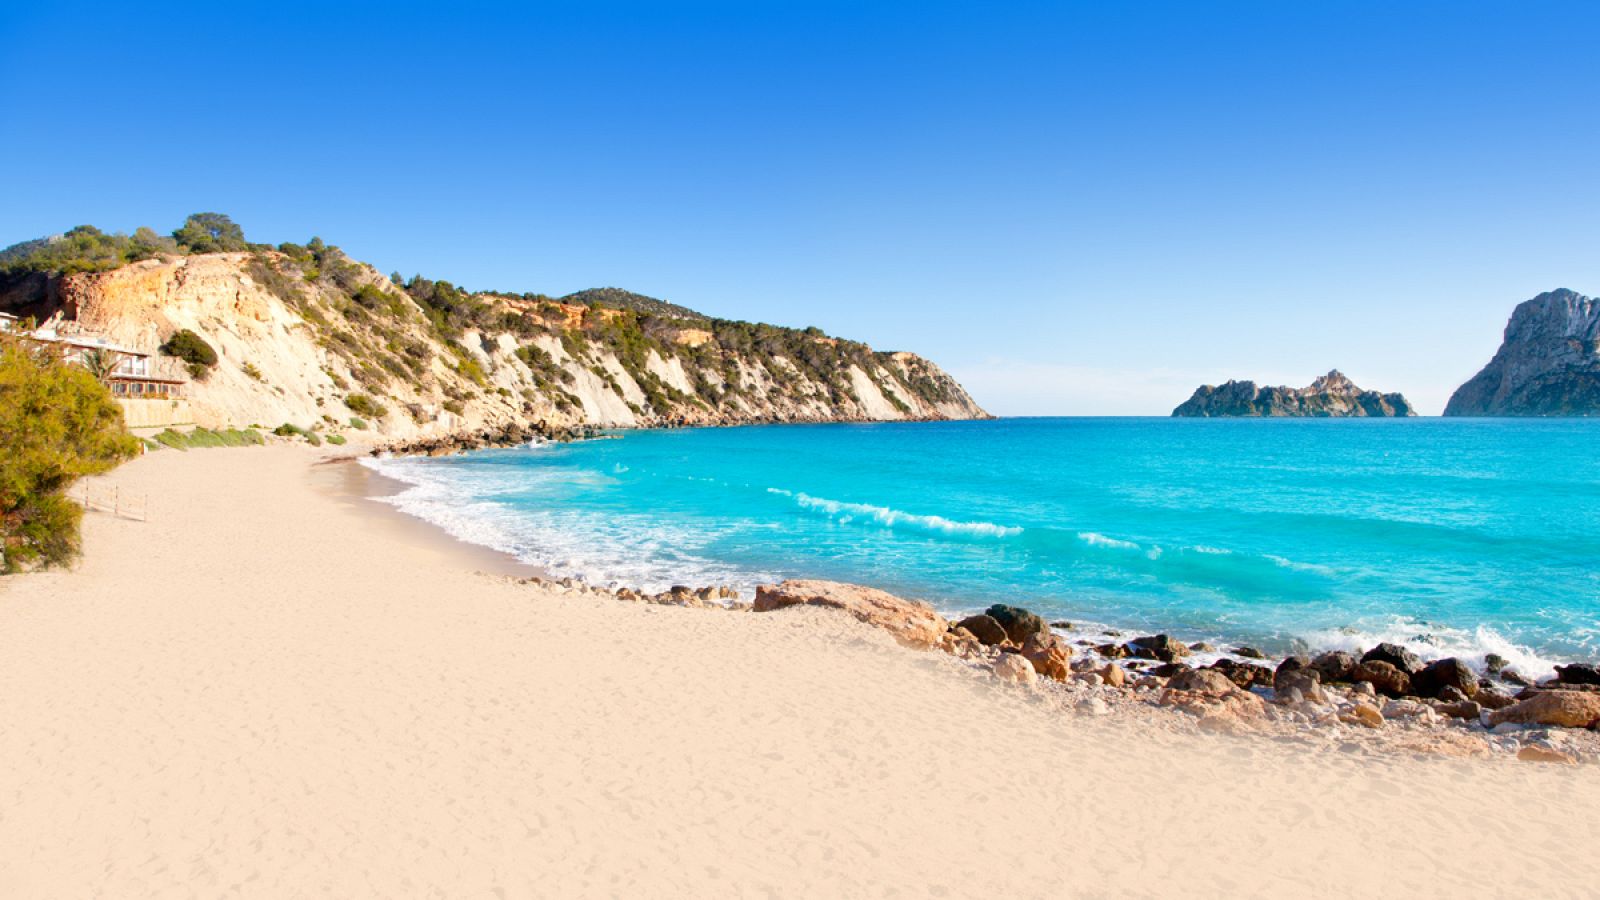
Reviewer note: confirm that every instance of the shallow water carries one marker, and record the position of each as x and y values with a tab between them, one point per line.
1458	536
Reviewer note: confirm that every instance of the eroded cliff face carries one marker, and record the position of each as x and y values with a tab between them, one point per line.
1332	395
296	347
1548	364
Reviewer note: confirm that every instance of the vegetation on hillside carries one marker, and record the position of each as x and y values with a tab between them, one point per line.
199	356
57	424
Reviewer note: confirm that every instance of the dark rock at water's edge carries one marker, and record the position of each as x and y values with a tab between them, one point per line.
1332	395
1547	365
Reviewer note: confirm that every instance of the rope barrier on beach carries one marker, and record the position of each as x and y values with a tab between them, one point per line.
121	504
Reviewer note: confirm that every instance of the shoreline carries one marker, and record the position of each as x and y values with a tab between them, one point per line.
1458	725
264	689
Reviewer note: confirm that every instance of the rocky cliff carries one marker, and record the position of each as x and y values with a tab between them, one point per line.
1332	395
1548	364
312	338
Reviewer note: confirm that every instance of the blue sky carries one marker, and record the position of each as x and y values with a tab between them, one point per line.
1077	209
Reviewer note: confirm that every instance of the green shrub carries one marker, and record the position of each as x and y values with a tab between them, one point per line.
336	439
250	370
358	423
287	430
206	437
365	406
210	233
192	349
57	424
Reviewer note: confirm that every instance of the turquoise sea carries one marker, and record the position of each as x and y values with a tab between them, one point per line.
1459	537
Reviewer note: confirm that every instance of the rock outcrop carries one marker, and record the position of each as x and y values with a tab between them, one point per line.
318	342
912	622
1332	395
1547	365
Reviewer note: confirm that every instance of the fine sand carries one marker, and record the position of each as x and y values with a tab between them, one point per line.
272	689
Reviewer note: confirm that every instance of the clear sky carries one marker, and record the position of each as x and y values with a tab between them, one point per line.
1076	208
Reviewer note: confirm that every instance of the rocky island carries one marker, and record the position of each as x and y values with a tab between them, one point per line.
1548	364
1332	395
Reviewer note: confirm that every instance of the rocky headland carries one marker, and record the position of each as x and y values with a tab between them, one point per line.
1332	395
1547	365
305	336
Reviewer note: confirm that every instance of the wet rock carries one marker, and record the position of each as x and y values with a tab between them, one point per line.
1513	677
1205	681
1445	673
983	627
1395	655
1011	667
1578	673
1159	646
1019	623
1244	675
912	623
1249	653
1335	665
1112	651
1384	677
1303	683
1293	663
1048	654
1448	694
1064	626
1493	663
1568	709
1201	647
1168	670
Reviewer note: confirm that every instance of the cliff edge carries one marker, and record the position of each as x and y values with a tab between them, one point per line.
1547	365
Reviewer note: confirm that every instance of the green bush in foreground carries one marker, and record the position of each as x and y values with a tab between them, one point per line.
57	424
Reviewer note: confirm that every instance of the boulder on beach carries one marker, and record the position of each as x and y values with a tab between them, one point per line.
1245	675
1205	681
1440	674
1013	668
1384	677
1335	666
983	627
1159	646
912	623
1568	709
1304	683
1395	655
1019	623
1049	654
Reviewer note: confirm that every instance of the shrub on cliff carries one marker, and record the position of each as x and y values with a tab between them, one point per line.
210	233
365	406
57	424
192	349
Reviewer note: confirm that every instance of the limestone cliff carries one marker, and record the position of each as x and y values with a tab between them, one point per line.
1332	395
1548	364
317	341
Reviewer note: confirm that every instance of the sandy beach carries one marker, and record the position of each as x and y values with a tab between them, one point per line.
273	688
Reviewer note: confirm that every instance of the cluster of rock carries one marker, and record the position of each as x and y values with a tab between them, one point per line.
1332	395
1444	705
1547	365
512	434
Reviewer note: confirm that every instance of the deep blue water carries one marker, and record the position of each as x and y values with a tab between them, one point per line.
1460	536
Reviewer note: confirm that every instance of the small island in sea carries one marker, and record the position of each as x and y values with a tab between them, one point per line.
1331	396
